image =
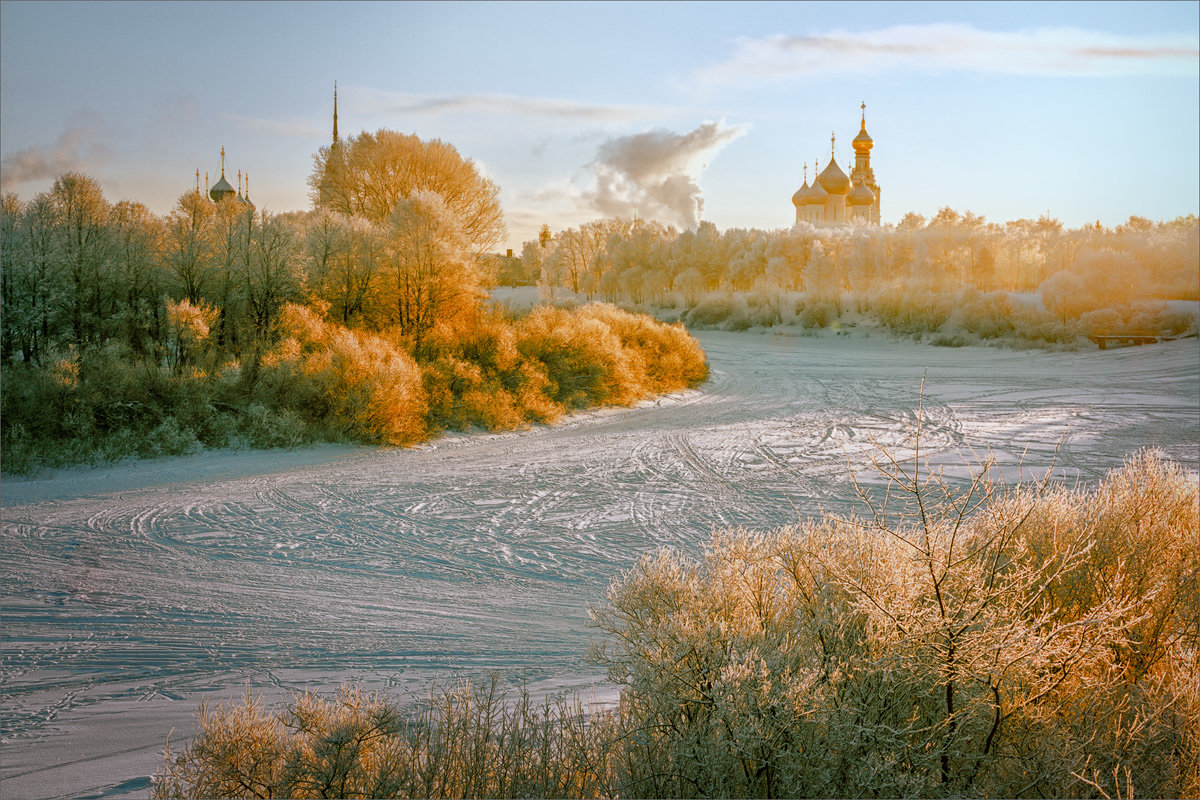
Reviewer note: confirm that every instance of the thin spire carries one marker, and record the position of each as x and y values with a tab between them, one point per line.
864	114
247	184
197	180
806	174
206	181
335	133
239	181
832	145
222	161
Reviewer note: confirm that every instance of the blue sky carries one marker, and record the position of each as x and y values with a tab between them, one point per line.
1084	110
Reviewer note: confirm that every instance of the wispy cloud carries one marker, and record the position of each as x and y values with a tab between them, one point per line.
82	146
293	128
377	101
656	173
956	48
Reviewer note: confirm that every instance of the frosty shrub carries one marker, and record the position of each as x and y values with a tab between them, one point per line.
498	374
815	314
764	308
102	404
188	326
1158	317
668	358
465	741
955	640
989	642
259	426
909	307
348	383
1102	321
720	310
475	376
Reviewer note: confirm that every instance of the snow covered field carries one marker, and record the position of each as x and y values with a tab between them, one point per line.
131	593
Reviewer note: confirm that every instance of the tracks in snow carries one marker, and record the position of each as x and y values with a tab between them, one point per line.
481	553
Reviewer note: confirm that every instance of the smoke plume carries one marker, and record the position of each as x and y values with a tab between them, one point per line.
656	174
79	147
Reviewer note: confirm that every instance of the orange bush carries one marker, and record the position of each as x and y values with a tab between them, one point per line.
347	382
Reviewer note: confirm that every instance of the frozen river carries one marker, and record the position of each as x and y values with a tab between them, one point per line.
132	593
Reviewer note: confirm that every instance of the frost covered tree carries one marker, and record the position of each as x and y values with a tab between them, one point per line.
189	245
81	224
430	274
342	260
141	279
270	273
370	173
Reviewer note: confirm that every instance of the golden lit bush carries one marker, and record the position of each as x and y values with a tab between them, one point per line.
583	359
322	380
461	396
348	383
598	354
465	741
668	356
474	375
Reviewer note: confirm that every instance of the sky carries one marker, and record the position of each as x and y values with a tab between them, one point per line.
679	111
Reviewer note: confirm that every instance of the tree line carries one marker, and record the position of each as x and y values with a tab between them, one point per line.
400	252
912	276
220	323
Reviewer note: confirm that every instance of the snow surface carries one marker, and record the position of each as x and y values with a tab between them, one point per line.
131	593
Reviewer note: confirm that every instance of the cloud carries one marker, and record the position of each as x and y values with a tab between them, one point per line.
378	101
295	128
656	173
81	146
957	48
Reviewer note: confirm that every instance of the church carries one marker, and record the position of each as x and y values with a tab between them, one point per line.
221	190
834	197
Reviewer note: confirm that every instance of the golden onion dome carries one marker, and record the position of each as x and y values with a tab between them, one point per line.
833	180
221	189
816	195
861	195
801	194
863	142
